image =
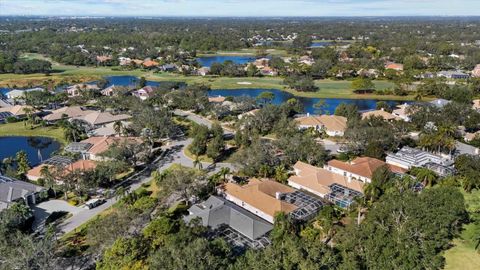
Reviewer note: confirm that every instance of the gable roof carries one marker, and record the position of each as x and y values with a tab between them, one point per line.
216	211
320	180
261	194
363	166
12	189
330	122
150	63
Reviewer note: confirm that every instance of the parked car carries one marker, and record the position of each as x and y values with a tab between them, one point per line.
94	203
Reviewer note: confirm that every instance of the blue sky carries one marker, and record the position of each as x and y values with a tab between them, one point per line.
241	7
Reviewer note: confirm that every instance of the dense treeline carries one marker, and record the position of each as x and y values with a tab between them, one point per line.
74	41
10	63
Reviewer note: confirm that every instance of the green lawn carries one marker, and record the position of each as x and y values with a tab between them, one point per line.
72	74
462	255
19	129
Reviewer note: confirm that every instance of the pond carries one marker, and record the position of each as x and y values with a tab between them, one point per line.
207	61
308	103
37	148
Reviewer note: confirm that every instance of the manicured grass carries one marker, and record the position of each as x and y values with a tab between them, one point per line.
72	74
463	255
191	156
19	129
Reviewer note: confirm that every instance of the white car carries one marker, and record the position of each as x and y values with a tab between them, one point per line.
94	203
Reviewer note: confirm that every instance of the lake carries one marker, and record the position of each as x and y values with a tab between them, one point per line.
322	44
207	61
308	103
37	148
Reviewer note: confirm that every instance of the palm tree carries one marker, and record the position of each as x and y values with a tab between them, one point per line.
197	162
47	175
118	127
224	171
425	175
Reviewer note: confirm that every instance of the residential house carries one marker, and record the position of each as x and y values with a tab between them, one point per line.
66	113
20	94
108	130
380	113
169	67
325	184
103	58
440	103
13	191
238	226
80	165
17	111
218	99
306	60
93	147
261	63
333	125
268	71
402	112
394	66
361	168
76	90
144	92
471	136
476	71
150	64
203	71
98	119
370	73
265	198
249	113
408	158
110	91
124	61
465	149
452	75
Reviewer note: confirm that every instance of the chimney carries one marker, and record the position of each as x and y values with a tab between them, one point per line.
278	195
308	114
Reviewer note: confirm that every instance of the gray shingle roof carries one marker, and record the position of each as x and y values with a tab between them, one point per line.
12	190
216	212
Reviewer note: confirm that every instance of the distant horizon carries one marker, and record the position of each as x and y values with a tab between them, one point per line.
240	8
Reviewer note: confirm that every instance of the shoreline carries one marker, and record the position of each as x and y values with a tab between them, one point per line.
327	88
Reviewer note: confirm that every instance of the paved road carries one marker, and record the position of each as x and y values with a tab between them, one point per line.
173	153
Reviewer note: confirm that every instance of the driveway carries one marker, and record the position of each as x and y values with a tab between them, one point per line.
172	153
42	210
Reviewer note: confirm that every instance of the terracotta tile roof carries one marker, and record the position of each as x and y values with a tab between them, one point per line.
35	172
101	144
82	165
363	166
261	194
320	180
394	66
150	63
380	113
402	110
470	136
330	122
